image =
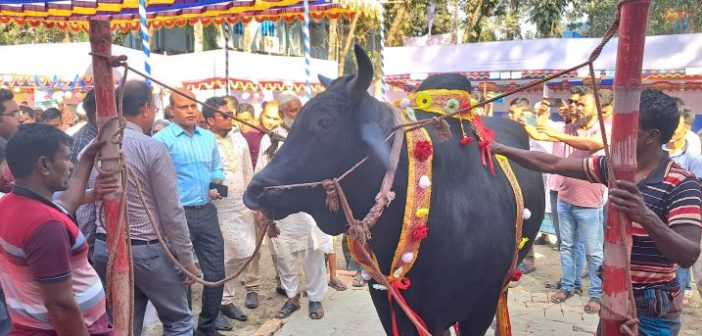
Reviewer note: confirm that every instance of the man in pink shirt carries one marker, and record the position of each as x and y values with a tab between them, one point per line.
580	204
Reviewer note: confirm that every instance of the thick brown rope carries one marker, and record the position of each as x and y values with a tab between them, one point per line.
126	173
120	61
172	257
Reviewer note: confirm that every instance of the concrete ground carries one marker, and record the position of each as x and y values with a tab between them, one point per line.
351	313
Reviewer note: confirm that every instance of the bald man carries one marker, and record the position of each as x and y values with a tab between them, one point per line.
195	155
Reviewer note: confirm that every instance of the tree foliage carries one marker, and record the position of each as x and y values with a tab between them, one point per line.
665	16
15	34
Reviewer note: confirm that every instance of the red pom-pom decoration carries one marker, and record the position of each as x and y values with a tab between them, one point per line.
423	150
465	105
419	233
466	140
515	276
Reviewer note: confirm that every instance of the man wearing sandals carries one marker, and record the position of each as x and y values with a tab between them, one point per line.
663	205
294	237
580	204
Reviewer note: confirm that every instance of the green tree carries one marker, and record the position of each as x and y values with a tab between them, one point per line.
547	16
12	33
665	16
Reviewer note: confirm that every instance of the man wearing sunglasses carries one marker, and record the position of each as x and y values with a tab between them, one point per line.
235	220
9	122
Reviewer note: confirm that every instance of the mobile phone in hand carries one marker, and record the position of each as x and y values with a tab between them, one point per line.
222	190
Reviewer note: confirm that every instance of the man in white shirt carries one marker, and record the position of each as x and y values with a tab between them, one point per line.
235	220
293	237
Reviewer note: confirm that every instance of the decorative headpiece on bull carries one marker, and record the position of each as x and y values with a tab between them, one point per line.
468	252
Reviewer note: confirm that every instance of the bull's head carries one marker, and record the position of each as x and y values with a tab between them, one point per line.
332	132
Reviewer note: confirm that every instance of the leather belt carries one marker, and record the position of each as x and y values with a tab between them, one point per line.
134	242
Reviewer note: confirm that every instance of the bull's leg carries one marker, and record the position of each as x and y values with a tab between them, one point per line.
480	319
404	325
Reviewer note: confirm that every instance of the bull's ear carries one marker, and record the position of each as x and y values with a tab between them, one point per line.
372	135
326	81
362	81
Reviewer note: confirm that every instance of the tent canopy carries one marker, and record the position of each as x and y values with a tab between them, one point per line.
67	61
662	53
124	14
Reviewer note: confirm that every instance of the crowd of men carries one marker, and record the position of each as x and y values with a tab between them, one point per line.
665	235
55	265
204	157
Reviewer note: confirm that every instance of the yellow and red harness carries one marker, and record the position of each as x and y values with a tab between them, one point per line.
419	187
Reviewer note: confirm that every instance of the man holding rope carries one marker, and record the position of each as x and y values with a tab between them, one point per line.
151	174
663	205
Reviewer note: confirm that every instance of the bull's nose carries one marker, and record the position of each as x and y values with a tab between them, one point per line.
250	202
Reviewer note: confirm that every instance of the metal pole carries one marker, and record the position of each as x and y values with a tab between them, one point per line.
306	41
627	90
227	35
119	278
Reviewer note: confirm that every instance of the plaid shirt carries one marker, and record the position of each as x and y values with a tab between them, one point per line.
6	178
82	138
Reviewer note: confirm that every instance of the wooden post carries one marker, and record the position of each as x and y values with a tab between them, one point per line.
627	91
119	277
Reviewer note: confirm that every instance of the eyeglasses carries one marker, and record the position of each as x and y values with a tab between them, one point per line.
226	115
12	114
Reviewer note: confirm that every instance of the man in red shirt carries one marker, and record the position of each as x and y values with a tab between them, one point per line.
50	287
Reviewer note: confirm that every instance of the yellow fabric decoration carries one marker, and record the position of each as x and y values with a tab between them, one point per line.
523	242
436	101
422	212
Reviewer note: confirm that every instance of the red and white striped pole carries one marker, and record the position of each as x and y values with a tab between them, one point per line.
119	277
627	90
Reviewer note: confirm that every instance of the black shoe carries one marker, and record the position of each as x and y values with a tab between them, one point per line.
541	240
231	311
281	291
251	301
199	332
222	323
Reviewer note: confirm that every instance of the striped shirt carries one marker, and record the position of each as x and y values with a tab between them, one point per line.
148	159
672	193
41	244
196	159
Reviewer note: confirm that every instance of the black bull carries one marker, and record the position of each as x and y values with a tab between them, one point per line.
467	254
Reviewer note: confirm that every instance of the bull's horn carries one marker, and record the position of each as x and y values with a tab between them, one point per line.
326	81
362	81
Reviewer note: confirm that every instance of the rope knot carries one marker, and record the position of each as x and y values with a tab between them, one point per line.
332	199
384	199
275	142
360	232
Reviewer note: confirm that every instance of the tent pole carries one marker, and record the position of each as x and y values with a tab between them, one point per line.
119	280
627	90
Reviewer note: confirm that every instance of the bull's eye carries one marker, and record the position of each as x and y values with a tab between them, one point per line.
325	123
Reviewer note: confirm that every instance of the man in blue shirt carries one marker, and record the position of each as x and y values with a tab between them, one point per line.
196	158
